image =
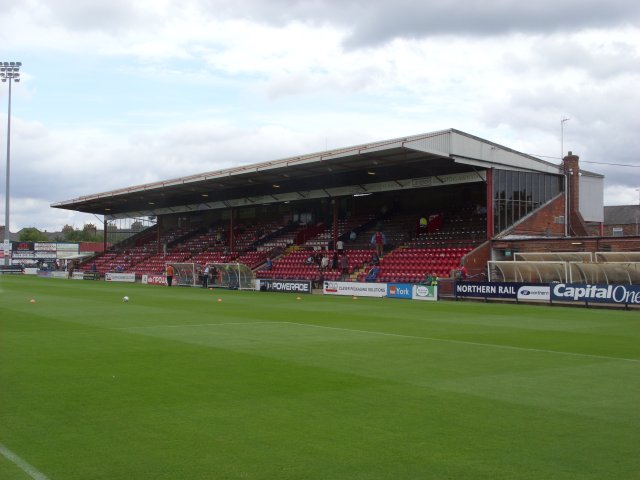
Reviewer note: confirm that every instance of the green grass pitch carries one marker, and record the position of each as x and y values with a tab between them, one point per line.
176	385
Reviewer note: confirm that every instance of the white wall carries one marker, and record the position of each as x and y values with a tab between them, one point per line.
592	198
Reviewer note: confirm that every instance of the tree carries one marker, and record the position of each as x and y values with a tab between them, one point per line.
87	234
32	234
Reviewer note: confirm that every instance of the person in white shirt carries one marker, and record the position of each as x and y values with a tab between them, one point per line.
205	277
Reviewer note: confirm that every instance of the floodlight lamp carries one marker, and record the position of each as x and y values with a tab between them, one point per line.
19	64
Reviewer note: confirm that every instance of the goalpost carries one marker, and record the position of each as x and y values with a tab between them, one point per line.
234	276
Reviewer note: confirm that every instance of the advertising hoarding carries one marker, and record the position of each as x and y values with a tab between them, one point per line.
292	286
154	280
120	277
399	290
424	292
598	293
356	289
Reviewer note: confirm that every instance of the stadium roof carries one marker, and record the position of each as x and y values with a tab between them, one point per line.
412	161
621	214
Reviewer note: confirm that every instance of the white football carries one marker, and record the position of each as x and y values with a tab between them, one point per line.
125	299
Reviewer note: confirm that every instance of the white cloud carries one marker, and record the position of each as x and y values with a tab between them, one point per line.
148	90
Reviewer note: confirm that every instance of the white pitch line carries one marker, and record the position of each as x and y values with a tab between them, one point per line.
26	467
192	325
464	342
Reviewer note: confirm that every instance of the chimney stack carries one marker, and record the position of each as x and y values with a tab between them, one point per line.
571	165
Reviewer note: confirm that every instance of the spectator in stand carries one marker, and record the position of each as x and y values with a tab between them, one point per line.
352	236
340	246
430	279
310	259
372	275
334	261
422	224
170	273
324	263
375	260
269	264
94	267
462	272
378	240
344	265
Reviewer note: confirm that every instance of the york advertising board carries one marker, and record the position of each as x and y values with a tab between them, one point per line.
399	290
506	290
576	292
356	289
120	277
293	286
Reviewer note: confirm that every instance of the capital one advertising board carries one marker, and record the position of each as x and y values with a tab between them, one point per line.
575	292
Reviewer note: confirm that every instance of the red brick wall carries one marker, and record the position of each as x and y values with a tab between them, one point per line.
476	260
628	230
542	221
93	246
575	244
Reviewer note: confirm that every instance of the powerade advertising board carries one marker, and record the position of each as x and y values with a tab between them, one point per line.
292	286
576	292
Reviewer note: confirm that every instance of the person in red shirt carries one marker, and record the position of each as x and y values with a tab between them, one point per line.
463	272
170	273
378	240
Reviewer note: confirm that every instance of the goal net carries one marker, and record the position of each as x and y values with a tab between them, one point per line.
185	274
231	275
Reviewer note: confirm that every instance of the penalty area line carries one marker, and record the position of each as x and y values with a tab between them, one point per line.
478	344
25	466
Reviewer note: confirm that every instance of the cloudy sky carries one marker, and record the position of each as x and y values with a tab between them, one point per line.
122	92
